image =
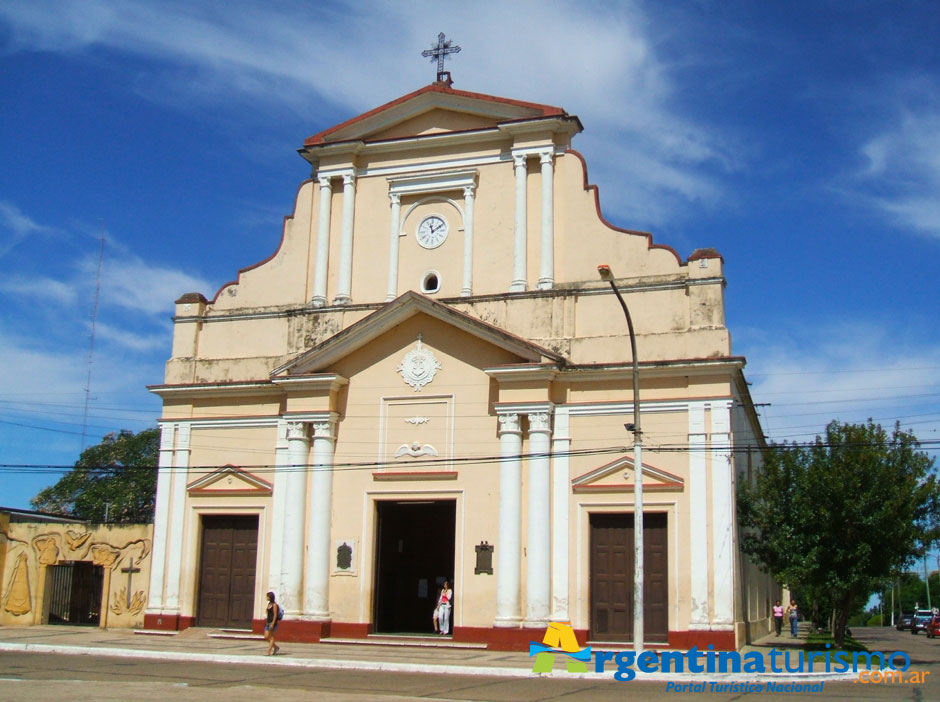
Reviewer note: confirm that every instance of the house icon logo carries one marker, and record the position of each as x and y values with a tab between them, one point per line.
559	639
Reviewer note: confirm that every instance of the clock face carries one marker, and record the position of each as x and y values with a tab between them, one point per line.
432	231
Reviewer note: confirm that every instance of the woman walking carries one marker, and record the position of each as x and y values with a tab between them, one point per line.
273	615
794	616
778	617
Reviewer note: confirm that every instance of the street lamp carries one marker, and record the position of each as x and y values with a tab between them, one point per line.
605	273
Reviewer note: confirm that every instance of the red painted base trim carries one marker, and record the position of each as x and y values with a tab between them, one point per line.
720	640
296	631
350	630
168	622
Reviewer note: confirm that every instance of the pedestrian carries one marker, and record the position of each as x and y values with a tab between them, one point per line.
794	616
273	615
436	614
444	607
778	617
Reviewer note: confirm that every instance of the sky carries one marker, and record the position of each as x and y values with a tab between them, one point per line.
799	139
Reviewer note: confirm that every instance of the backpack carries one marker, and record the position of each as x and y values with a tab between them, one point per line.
280	613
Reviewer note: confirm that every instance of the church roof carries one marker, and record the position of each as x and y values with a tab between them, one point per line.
394	313
434	96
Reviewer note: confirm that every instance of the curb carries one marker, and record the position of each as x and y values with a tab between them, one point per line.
391	667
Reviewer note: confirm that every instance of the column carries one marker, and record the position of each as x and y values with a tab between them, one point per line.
317	574
722	517
177	517
538	534
698	518
547	270
468	196
161	518
323	242
346	243
394	235
520	227
509	543
277	514
561	444
292	553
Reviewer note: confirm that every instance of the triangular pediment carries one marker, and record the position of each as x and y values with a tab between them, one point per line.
620	476
436	108
229	480
393	314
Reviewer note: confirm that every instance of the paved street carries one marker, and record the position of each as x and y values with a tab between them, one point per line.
48	677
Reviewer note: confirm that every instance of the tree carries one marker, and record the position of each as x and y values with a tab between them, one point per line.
839	519
114	481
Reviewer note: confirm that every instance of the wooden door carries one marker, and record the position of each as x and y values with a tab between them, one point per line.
611	582
227	571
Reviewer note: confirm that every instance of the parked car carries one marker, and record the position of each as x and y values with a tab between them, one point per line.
904	621
921	619
933	627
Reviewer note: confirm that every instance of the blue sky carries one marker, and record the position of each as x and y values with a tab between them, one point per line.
800	139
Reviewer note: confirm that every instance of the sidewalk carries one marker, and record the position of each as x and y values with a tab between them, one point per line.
414	655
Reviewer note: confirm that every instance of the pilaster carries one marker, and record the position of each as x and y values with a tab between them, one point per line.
520	226
344	284
323	242
509	545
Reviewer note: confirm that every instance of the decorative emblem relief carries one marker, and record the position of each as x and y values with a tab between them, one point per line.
418	420
419	366
416	450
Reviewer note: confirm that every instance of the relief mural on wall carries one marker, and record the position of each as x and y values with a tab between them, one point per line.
122	550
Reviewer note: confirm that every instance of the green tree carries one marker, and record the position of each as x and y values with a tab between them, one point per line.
116	478
838	519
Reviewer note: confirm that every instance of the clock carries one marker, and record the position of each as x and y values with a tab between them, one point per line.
432	231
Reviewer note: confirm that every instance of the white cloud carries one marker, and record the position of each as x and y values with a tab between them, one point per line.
597	61
15	226
844	371
131	283
134	341
902	175
39	288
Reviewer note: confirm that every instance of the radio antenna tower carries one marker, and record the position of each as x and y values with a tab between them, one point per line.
91	346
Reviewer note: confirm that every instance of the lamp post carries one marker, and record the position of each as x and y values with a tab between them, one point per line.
605	273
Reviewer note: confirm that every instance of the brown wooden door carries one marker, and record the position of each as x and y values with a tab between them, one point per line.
612	577
227	571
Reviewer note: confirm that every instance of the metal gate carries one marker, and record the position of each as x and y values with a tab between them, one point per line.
75	596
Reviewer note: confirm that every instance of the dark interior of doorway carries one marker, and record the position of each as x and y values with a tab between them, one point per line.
75	593
415	555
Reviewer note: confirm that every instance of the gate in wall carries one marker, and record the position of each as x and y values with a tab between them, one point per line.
75	593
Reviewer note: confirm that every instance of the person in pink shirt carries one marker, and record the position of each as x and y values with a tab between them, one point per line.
778	617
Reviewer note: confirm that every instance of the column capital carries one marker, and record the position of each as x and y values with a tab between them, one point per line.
546	156
540	422
518	160
296	430
324	428
509	423
395	198
324	182
469	190
349	178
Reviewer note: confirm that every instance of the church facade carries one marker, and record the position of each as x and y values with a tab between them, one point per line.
428	381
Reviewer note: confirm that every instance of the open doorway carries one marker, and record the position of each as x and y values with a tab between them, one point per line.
414	555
